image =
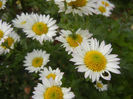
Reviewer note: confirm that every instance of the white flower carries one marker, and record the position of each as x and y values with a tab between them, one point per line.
79	7
49	73
40	27
71	41
2	4
9	41
5	30
95	60
51	90
21	20
100	86
104	7
36	60
106	3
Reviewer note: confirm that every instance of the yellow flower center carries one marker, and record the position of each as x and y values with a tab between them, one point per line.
23	22
74	40
51	75
95	61
53	92
1	34
37	62
1	4
105	3
77	3
102	9
9	41
40	28
99	85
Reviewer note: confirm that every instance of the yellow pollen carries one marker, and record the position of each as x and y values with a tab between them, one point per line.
23	22
99	85
1	34
9	41
53	92
95	61
40	28
102	9
1	4
75	40
51	75
37	62
77	3
105	3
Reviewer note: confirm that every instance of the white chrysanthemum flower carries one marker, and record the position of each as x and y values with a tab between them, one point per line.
106	3
79	7
21	20
9	41
36	60
95	60
104	7
71	41
52	90
41	28
49	73
5	30
100	86
2	4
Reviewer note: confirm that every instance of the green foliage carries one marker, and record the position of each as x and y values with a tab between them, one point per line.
17	83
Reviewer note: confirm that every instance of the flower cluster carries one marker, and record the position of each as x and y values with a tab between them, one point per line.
50	88
87	7
90	56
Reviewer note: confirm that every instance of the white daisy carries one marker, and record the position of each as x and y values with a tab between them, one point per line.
5	30
95	60
100	86
72	40
2	4
9	41
36	60
51	90
104	7
21	20
40	27
106	3
79	7
49	73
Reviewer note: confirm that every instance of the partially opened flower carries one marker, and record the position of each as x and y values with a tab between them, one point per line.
2	4
49	73
21	20
100	86
95	60
36	60
41	28
9	43
50	89
79	7
72	40
5	30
